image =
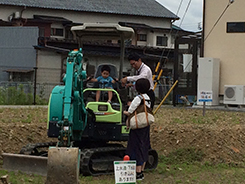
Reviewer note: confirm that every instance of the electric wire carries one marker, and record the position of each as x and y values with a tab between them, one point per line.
170	32
179	7
211	30
186	10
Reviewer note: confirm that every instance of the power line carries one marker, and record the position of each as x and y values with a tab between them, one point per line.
188	5
170	32
230	2
179	25
179	7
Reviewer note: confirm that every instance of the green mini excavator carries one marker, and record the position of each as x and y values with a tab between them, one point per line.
89	133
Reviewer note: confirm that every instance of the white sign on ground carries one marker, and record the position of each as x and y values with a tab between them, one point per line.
125	172
205	96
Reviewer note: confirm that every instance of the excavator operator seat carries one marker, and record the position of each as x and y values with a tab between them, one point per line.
113	74
90	95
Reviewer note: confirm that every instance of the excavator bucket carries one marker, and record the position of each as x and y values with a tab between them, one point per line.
63	165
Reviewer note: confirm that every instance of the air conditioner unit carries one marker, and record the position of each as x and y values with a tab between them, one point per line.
234	94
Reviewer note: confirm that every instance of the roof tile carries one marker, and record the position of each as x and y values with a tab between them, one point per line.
149	8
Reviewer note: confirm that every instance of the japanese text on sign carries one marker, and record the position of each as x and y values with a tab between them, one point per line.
205	96
125	172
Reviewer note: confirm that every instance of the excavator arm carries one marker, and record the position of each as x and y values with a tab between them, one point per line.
71	126
74	111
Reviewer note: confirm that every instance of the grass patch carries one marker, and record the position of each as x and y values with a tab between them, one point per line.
184	155
199	120
28	119
200	173
194	172
21	178
179	121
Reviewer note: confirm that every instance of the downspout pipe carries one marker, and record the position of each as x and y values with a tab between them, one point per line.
203	29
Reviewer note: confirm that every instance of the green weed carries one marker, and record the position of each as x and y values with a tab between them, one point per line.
178	181
184	155
15	95
198	120
20	178
179	121
27	120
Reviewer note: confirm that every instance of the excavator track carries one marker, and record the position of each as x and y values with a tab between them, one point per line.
94	161
37	149
99	161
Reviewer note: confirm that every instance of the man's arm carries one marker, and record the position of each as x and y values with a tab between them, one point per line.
143	74
124	80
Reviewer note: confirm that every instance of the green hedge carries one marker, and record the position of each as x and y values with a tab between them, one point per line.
16	96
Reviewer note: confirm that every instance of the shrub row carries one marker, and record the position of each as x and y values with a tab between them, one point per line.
17	96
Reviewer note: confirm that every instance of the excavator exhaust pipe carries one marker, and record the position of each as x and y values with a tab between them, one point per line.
63	165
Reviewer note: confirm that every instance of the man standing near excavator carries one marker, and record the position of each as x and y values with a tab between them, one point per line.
143	71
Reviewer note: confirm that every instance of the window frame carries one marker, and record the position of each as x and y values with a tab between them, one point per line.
162	42
21	76
239	27
56	31
142	37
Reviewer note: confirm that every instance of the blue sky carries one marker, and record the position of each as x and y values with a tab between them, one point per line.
193	16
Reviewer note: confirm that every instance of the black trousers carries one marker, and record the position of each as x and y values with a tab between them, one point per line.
151	94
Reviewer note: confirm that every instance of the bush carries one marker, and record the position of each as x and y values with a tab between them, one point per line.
16	95
2	95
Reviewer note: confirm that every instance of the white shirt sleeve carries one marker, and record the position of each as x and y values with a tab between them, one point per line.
134	104
143	74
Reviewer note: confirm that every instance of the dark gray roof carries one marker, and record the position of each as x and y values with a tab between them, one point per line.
149	8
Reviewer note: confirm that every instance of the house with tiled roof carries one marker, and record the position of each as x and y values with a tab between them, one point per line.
151	22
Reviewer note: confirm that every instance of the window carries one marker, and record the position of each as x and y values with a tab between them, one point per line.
57	32
142	37
162	41
173	39
68	34
21	76
41	31
235	27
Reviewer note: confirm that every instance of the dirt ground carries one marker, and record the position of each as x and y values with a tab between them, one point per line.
219	134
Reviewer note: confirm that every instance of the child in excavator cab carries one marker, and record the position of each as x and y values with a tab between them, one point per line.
105	81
